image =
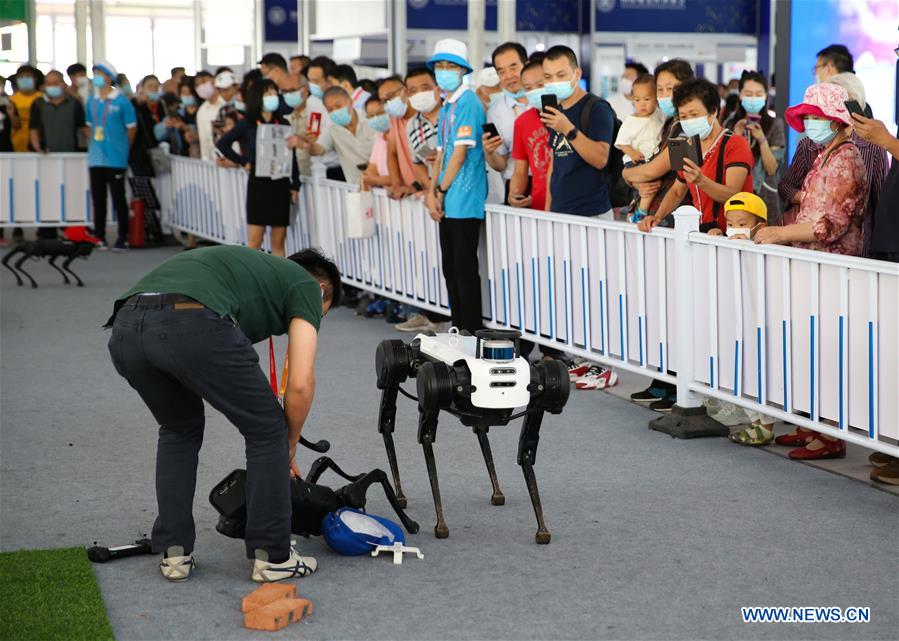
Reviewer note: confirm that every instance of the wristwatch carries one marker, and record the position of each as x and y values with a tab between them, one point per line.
571	135
441	190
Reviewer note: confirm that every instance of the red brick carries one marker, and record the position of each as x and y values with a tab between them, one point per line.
267	594
278	614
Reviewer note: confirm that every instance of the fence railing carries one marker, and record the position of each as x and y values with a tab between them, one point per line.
807	337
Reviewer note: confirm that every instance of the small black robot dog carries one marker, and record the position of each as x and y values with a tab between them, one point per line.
480	379
311	502
51	249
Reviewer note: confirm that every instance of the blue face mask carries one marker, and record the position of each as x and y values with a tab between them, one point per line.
25	83
240	105
98	81
699	126
518	94
753	105
562	89
448	79
154	95
667	107
380	123
534	97
293	99
126	89
819	131
341	117
188	101
395	107
53	92
270	103
316	91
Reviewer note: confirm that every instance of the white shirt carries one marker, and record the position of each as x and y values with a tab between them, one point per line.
641	133
353	149
622	106
503	114
360	97
206	115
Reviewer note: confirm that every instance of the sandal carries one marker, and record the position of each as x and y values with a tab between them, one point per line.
801	436
754	435
830	448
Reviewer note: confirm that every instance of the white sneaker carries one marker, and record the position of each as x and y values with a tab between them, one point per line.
295	566
175	565
417	323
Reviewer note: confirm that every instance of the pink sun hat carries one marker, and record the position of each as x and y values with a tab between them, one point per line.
824	100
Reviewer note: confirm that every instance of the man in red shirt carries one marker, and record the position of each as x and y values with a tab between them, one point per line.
726	159
530	147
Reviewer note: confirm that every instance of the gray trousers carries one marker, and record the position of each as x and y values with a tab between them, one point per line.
175	359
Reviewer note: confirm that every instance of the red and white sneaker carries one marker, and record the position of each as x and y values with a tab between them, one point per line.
577	369
597	377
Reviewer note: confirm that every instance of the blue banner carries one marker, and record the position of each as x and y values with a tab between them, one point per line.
280	20
677	16
444	14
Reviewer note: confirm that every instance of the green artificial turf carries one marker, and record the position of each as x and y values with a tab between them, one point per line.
49	595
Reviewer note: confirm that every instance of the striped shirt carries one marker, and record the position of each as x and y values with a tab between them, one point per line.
422	135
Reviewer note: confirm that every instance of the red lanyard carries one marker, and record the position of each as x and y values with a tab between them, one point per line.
272	372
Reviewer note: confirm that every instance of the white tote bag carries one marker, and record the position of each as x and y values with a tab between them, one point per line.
360	217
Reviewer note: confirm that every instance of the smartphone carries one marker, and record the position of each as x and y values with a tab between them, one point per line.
681	147
754	118
315	123
490	128
854	107
549	100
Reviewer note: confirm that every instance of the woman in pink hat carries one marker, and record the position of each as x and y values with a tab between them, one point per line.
831	208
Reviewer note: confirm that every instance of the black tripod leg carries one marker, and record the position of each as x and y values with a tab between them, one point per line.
25	256
6	258
527	454
386	424
497	498
354	496
65	266
427	434
52	263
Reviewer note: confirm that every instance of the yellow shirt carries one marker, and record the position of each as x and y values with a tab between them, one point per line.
22	103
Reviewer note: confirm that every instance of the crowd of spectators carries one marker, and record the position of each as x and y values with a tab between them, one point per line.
459	136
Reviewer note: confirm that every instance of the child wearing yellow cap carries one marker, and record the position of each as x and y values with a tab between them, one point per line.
746	213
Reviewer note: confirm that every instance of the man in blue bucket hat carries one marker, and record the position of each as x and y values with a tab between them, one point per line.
459	189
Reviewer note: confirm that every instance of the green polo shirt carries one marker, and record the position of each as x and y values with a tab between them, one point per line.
262	293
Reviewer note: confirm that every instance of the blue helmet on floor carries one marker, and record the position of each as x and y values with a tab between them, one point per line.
353	532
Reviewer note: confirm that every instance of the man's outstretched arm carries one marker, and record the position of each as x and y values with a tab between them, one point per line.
302	342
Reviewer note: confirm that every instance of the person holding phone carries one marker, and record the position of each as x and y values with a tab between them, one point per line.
726	159
421	130
767	140
531	152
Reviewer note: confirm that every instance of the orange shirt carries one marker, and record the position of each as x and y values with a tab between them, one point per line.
23	103
403	153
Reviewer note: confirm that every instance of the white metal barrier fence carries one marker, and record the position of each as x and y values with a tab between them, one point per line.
44	189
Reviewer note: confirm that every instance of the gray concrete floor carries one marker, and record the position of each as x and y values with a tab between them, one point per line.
653	538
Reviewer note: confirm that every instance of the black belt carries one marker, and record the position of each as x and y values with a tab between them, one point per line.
155	300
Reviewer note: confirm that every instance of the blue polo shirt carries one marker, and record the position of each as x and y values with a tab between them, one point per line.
461	120
115	115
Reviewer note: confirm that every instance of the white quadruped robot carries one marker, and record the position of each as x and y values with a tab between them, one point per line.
481	380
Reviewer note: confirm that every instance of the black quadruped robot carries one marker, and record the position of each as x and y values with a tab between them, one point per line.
480	379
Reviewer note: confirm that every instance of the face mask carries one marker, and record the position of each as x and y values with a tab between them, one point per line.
188	101
496	97
395	107
206	90
736	231
515	96
126	89
380	123
563	89
54	92
819	131
25	83
753	105
316	91
240	105
98	81
293	99
733	92
154	96
270	103
81	82
534	97
447	79
667	107
423	102
341	117
699	126
626	85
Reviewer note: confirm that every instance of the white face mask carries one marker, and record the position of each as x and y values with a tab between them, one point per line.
423	102
737	231
626	86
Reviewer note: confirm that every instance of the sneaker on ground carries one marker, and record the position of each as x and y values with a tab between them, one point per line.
120	246
649	395
596	377
102	246
417	323
578	368
295	566
175	565
663	404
